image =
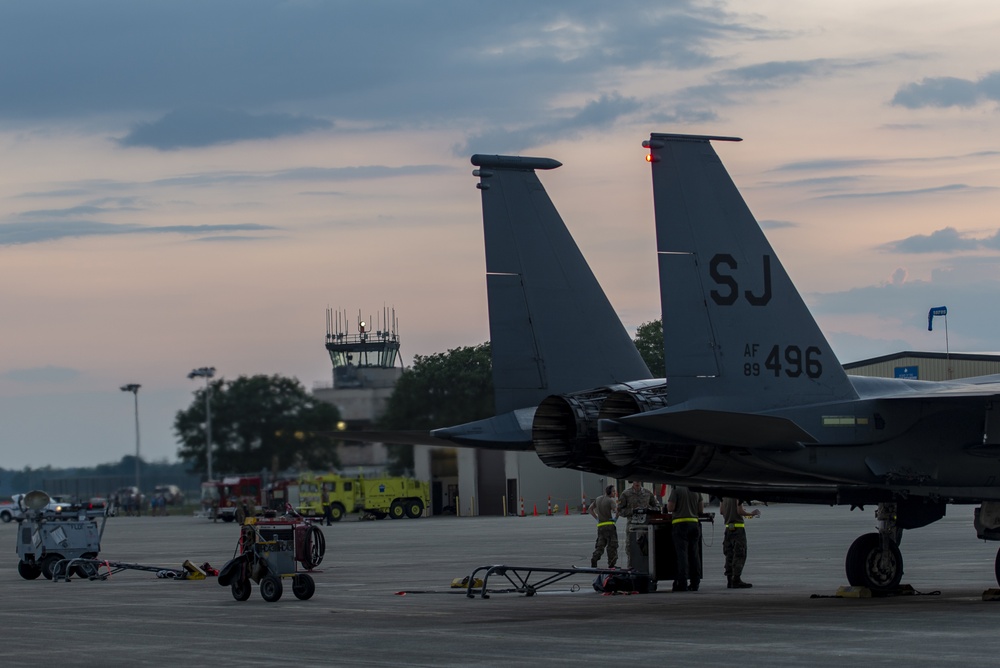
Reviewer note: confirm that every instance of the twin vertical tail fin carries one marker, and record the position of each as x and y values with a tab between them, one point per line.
552	328
734	326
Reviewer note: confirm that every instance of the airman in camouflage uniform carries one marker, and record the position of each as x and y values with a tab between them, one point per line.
603	509
734	544
632	499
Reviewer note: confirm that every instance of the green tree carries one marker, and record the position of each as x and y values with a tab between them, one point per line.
649	340
439	390
258	422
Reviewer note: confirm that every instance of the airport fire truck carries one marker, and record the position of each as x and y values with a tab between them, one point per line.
222	498
395	497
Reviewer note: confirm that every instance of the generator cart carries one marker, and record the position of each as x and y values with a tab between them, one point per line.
46	537
272	549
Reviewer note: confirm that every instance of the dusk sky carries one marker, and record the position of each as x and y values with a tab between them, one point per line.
190	184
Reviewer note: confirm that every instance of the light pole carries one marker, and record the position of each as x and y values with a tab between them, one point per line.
206	372
134	389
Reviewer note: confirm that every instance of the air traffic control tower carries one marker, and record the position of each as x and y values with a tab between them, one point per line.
367	358
366	366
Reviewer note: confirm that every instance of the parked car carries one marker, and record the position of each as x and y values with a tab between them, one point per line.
57	504
8	511
172	494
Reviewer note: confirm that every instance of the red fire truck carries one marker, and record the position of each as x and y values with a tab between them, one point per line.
220	499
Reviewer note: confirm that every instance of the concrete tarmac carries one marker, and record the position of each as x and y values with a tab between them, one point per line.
358	616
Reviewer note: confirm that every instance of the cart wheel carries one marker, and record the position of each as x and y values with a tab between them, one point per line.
315	548
303	586
28	571
241	589
86	571
414	508
48	564
270	588
397	511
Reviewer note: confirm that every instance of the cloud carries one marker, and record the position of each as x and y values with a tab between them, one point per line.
950	188
776	224
222	177
76	211
42	374
948	92
946	240
209	126
899	311
596	114
422	62
13	234
787	72
825	164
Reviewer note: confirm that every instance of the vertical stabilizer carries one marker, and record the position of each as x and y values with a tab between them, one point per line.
733	323
552	329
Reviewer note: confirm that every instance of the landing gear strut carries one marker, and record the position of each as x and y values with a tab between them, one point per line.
874	560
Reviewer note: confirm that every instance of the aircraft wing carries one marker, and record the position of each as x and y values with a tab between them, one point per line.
950	390
509	431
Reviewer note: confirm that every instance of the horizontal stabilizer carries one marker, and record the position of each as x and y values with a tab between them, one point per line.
509	431
497	433
395	437
748	430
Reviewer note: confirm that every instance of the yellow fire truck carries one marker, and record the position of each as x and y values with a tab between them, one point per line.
394	497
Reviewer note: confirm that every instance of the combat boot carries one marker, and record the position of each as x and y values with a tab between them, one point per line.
740	584
593	563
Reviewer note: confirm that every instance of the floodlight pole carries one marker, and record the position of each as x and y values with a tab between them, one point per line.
134	389
206	372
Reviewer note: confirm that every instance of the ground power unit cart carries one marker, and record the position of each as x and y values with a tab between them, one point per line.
271	550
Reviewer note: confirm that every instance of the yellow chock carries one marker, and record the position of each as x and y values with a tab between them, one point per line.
193	572
848	591
463	583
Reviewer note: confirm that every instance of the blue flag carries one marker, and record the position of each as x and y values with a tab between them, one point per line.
936	310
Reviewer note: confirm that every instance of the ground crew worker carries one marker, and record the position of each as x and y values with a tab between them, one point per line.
603	509
632	499
327	508
734	544
685	507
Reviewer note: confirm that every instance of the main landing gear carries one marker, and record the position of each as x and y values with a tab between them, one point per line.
874	560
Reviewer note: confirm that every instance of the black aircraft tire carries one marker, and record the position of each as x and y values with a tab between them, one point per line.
28	571
866	566
270	588
303	586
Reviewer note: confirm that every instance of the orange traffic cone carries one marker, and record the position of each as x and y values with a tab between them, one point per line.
567	509
534	510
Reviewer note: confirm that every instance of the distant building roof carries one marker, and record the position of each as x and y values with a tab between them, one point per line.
972	357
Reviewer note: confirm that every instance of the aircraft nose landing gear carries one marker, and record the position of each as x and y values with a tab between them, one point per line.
874	560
